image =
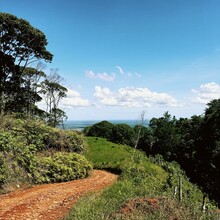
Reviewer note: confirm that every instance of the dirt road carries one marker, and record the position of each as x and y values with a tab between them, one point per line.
50	201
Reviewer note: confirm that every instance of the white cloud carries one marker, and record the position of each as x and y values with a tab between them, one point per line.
102	76
74	99
120	69
133	97
110	76
207	92
128	74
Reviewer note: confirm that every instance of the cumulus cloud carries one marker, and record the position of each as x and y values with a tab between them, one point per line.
206	93
74	99
102	76
133	97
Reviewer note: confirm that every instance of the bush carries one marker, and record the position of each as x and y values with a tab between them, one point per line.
31	151
3	170
12	174
61	167
67	140
14	131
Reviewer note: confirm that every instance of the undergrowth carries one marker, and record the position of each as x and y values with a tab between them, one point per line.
32	152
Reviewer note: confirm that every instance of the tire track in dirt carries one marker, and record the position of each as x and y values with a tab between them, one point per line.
51	201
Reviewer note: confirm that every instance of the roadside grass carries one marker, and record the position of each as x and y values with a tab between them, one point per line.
139	180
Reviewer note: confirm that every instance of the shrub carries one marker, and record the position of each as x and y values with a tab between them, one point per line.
12	174
36	132
61	167
67	140
31	151
3	170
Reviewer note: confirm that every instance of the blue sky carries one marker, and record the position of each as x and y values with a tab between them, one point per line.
122	57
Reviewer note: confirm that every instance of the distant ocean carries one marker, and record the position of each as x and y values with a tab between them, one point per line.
80	125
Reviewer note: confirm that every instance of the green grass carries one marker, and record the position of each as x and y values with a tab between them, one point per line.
139	178
105	154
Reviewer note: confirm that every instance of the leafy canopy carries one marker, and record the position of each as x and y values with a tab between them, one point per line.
21	41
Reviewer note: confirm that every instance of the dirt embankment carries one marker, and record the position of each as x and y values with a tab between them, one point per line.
50	201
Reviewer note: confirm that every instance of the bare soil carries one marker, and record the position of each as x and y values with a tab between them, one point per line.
50	201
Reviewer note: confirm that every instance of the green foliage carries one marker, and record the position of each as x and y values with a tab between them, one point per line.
122	134
208	151
36	132
119	133
101	129
105	154
3	169
145	140
13	174
140	178
22	40
20	44
21	86
165	136
68	140
31	151
191	193
188	130
53	92
56	117
192	142
61	167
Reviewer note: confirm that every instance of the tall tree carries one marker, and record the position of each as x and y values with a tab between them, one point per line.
53	93
208	151
188	130
122	134
101	129
31	88
165	136
20	45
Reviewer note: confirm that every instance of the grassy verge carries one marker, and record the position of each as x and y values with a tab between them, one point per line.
144	190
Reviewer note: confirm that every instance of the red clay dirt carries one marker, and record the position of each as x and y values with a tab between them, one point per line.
50	201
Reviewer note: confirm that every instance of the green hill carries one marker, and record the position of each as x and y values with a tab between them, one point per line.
145	189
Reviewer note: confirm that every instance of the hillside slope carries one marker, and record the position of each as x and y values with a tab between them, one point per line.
144	190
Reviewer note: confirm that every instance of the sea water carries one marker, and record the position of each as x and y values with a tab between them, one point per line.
80	125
